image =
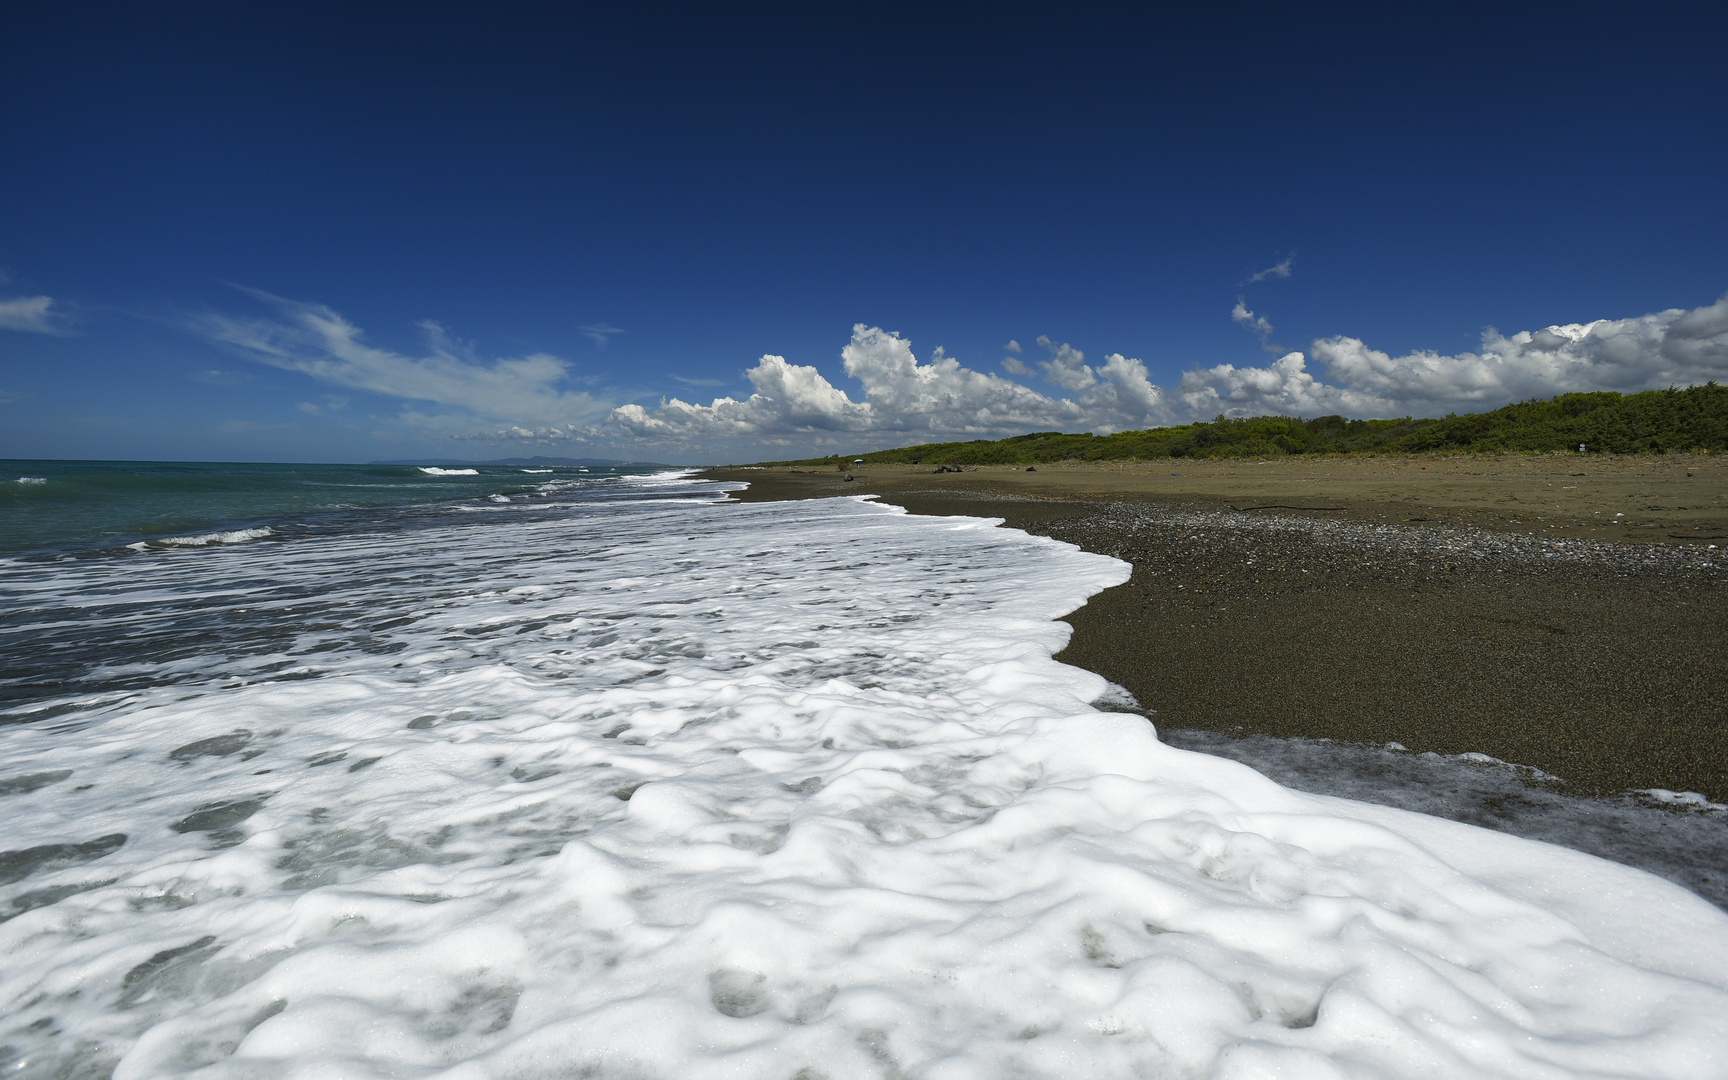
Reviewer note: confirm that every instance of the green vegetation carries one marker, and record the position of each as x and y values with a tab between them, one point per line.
1654	422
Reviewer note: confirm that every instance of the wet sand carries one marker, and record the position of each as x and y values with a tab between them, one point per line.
1459	605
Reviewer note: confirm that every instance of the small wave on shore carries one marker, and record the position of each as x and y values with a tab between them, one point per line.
230	536
1681	836
433	470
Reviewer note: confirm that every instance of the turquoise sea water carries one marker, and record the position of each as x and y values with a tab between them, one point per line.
85	506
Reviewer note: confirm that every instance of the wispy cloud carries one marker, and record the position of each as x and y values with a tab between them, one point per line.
600	332
314	340
1012	346
1257	325
1278	270
698	382
332	403
218	377
31	314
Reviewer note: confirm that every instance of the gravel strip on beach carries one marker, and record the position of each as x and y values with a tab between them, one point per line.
1409	664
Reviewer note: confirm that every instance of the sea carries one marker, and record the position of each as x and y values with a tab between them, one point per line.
498	771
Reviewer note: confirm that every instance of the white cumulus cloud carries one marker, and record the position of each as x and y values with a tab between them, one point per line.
1066	366
788	398
314	340
547	436
939	399
1676	347
1286	386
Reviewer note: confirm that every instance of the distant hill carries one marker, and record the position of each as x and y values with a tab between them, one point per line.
540	462
1652	422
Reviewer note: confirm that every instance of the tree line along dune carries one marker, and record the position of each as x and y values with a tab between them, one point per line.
1694	419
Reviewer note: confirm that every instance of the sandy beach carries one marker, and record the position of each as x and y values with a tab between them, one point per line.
1556	611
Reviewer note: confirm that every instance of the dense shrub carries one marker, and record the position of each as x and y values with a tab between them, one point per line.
1653	422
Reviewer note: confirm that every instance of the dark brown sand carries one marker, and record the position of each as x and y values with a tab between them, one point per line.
1599	658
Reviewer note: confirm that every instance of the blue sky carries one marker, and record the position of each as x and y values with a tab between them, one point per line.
312	233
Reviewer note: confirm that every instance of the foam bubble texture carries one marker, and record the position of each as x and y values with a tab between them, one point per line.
784	790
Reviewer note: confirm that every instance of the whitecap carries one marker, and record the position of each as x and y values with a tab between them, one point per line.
232	536
31	480
433	470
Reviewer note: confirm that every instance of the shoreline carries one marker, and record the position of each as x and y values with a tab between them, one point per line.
1593	658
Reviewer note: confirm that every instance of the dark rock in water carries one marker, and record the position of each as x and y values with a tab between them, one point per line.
850	478
738	994
219	746
18	865
218	815
24	785
159	970
40	898
1031	468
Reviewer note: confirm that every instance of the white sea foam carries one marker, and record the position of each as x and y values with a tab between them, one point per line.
785	789
433	470
1690	799
536	471
31	480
